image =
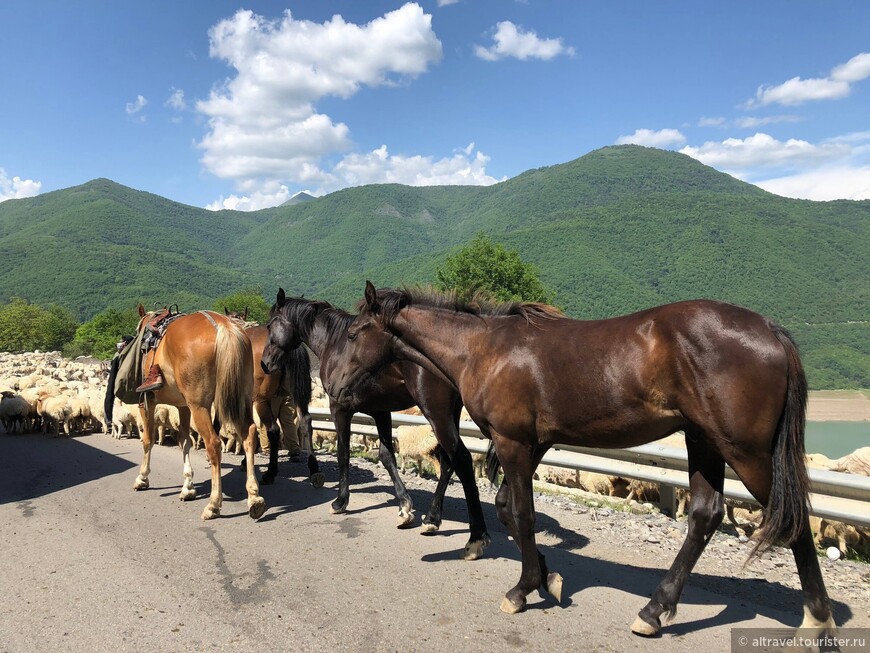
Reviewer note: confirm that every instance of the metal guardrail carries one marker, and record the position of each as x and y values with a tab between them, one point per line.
834	495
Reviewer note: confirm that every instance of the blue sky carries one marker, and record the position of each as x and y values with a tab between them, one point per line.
241	105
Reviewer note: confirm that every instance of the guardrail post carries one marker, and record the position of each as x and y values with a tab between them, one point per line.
668	500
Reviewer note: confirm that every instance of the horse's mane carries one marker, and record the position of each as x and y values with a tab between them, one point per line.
392	300
301	311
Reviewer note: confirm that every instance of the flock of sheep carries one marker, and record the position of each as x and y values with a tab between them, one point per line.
44	392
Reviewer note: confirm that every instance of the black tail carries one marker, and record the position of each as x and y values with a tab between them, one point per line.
492	464
787	512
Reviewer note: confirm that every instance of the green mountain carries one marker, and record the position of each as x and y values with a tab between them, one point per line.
614	231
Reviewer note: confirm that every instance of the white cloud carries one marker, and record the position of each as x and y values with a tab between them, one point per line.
17	188
380	167
662	138
762	150
753	122
829	183
132	108
836	168
833	87
513	41
263	126
711	122
271	194
444	3
176	100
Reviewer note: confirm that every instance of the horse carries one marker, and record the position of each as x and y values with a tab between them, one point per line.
531	378
291	376
323	328
205	359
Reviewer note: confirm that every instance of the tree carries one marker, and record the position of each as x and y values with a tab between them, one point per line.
98	336
250	300
26	327
499	272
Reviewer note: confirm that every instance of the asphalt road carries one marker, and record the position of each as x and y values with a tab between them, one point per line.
90	565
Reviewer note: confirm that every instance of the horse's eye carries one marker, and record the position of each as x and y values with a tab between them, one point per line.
351	335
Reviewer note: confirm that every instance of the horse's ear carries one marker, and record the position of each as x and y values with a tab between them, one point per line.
245	316
281	297
226	312
372	298
141	310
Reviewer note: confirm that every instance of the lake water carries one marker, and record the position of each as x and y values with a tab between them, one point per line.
836	439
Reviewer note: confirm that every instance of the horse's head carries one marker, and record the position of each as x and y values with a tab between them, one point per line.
369	347
284	335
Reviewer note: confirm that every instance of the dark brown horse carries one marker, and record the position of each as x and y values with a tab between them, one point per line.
206	360
395	387
730	378
291	377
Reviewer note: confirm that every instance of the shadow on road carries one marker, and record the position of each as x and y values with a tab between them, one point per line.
29	468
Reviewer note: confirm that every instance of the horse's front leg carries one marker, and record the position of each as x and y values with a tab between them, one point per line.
147	411
304	426
267	418
516	510
341	418
387	456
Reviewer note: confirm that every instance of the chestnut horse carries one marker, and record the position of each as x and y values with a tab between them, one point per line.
323	328
728	377
206	360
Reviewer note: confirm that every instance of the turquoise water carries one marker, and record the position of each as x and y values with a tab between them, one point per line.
836	439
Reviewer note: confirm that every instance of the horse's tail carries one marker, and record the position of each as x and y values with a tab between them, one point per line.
234	377
493	465
298	371
787	511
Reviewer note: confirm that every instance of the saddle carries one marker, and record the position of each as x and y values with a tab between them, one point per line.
156	326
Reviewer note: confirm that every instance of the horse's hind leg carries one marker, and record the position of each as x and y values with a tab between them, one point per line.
706	510
202	420
388	459
147	411
756	474
188	492
256	503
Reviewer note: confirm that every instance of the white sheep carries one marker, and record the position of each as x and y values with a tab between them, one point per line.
14	412
123	418
416	444
54	408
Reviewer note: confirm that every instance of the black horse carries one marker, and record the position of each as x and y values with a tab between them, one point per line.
323	328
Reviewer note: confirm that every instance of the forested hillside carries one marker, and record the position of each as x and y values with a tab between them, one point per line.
619	229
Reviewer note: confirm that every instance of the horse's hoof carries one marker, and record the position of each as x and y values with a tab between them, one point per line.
509	607
257	508
473	550
140	484
187	496
336	508
429	527
643	628
318	479
404	518
554	585
210	513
